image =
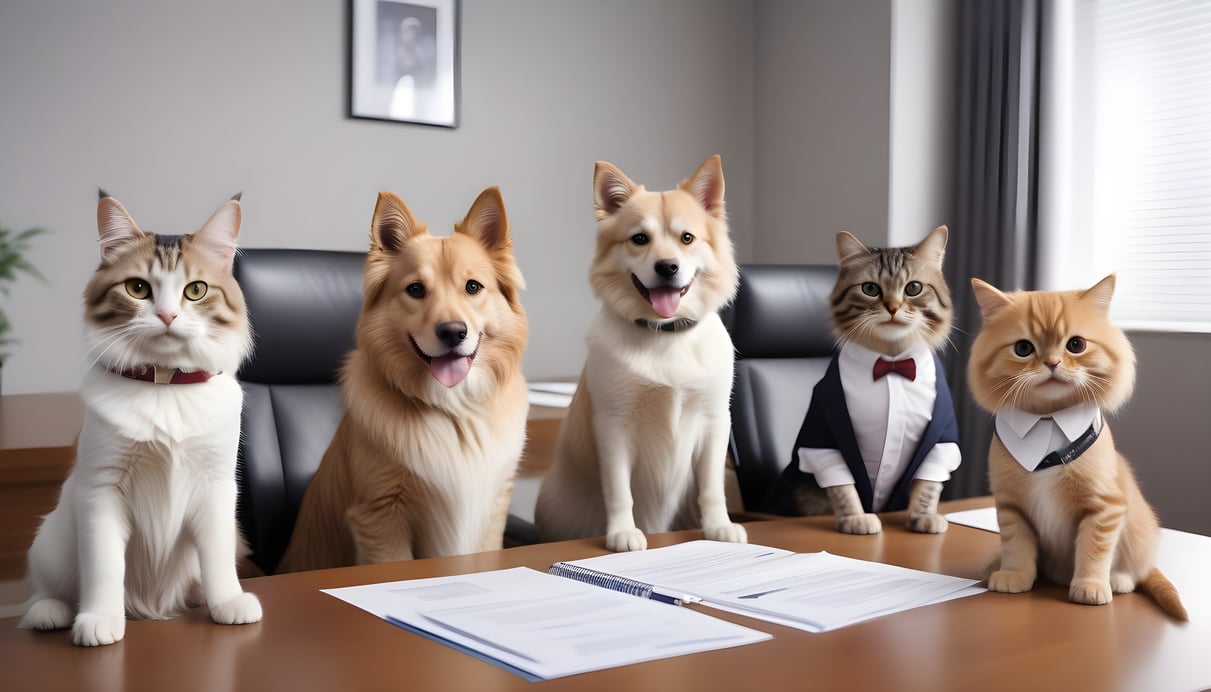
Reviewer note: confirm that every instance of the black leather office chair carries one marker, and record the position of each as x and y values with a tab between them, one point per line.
303	305
781	329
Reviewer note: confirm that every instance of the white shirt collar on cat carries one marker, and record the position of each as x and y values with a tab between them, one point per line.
1028	442
867	357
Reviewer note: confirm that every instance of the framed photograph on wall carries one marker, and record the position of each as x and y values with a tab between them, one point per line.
404	61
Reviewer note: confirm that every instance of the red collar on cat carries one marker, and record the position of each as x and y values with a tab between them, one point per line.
151	373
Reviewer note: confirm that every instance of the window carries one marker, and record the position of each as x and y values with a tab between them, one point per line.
1138	150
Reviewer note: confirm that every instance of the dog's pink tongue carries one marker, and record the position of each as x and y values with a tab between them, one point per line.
451	369
665	300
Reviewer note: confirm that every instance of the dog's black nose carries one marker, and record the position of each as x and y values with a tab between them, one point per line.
666	268
452	333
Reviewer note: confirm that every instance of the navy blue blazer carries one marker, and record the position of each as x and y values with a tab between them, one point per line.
827	426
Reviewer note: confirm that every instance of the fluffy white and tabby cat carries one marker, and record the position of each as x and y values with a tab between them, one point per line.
147	514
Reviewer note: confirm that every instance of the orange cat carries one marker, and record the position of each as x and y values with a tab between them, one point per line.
1048	363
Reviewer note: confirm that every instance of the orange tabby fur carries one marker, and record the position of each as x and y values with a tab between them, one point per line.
1084	524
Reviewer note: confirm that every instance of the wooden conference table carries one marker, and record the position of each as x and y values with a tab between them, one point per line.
312	641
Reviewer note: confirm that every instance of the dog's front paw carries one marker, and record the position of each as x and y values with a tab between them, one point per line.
728	533
928	523
1010	581
626	540
1090	592
859	524
95	629
240	610
47	614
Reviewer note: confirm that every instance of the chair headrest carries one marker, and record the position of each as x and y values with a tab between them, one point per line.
303	305
782	311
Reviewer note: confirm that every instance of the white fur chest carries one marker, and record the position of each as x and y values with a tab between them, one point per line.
699	359
166	414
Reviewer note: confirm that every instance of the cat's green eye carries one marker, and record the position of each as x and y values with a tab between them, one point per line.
871	289
196	290
1076	345
687	238
913	289
415	289
138	288
640	239
1023	348
474	287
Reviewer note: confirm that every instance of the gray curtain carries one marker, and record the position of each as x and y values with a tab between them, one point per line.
994	232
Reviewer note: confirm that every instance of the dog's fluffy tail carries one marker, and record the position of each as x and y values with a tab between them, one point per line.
1164	593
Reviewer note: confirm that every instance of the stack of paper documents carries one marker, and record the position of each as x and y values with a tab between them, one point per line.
541	626
815	592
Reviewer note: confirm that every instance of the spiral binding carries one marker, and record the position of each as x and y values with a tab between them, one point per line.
609	581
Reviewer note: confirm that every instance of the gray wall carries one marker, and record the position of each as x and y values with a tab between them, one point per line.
829	114
174	106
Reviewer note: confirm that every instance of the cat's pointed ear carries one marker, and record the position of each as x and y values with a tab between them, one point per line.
393	224
611	189
933	248
990	298
706	186
486	221
220	231
115	228
849	247
1100	293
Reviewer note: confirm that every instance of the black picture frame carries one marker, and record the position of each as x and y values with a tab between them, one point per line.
403	61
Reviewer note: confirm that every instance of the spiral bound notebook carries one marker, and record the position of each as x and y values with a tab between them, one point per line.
539	626
815	592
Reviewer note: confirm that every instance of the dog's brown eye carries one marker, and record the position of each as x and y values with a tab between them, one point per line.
1076	345
687	238
913	288
416	290
138	288
640	239
473	286
871	289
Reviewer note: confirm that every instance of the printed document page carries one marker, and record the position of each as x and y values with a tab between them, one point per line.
815	592
542	626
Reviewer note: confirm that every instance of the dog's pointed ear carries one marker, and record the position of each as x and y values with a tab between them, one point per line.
487	222
611	189
115	228
706	186
393	224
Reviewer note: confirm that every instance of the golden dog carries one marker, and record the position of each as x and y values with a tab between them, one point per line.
423	461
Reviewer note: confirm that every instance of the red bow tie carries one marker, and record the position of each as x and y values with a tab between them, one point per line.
904	368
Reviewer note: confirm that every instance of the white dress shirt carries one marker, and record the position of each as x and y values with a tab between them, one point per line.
1031	436
889	416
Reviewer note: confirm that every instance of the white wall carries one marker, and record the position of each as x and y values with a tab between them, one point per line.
924	42
174	106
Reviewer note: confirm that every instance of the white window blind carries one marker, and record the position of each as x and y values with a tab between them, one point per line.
1147	75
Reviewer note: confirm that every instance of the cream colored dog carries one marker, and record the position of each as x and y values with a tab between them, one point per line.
643	446
423	461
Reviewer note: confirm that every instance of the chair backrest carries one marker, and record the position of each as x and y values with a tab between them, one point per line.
781	329
303	305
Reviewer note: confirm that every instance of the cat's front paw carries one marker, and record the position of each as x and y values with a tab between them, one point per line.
47	614
928	523
859	524
1121	582
95	629
240	610
1010	581
626	540
729	533
1090	592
